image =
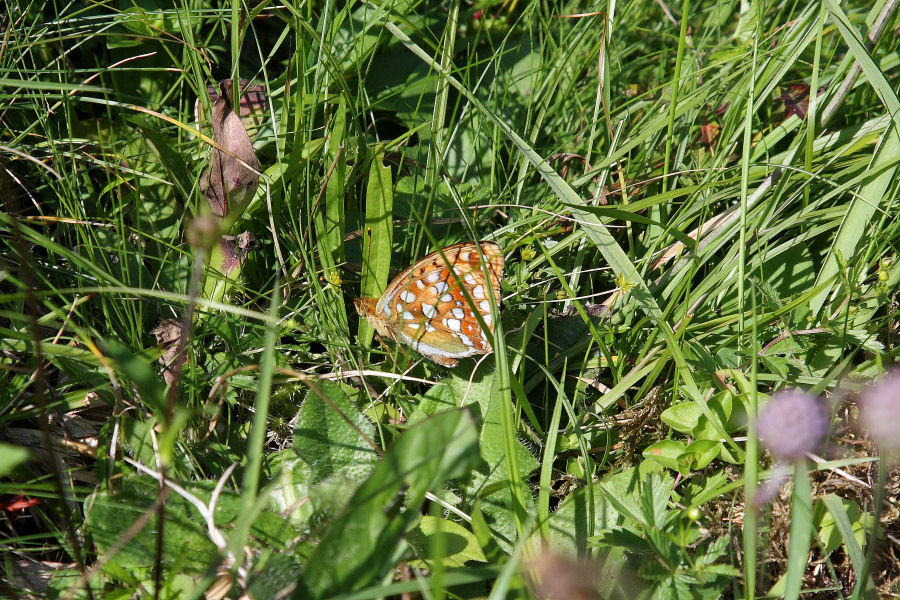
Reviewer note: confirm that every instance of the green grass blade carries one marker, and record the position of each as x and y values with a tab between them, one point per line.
593	227
377	238
547	465
845	528
255	444
872	193
801	532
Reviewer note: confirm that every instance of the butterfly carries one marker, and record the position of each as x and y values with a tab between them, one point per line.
425	308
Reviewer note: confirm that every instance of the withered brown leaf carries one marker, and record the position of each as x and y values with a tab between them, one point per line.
229	184
168	333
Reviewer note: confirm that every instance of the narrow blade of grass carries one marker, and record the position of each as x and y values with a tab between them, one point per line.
377	238
801	532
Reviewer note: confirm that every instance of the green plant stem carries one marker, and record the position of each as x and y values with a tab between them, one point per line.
813	104
750	458
861	589
676	84
255	445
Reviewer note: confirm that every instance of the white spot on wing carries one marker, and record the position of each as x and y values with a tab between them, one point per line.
469	278
429	310
478	291
453	324
407	296
485	306
408	316
446	298
433	277
458	313
420	284
464	256
465	339
440	287
429	328
399	307
456	270
487	320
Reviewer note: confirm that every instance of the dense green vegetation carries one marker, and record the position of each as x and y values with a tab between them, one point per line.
687	231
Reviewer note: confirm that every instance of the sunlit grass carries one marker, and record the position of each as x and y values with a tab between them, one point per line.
669	266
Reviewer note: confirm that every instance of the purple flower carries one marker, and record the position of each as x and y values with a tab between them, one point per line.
879	413
792	424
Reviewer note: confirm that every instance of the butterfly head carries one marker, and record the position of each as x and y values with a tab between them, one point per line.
364	306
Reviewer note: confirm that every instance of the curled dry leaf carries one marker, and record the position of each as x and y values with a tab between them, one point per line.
168	333
235	250
233	174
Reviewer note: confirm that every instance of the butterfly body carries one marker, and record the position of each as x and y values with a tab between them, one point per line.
424	307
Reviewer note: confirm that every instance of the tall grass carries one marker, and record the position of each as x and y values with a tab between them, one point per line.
696	208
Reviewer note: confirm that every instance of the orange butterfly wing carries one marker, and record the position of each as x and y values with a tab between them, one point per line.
424	307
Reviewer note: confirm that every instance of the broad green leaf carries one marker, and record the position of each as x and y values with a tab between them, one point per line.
490	483
656	488
11	457
703	452
688	418
290	487
186	542
358	547
666	453
571	521
460	543
846	524
332	436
